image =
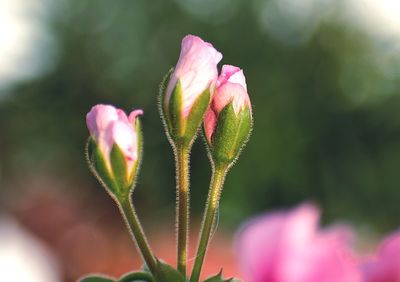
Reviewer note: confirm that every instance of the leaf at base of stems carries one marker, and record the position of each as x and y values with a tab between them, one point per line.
219	278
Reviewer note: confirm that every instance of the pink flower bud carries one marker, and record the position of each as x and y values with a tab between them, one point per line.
196	70
385	266
231	87
287	246
108	126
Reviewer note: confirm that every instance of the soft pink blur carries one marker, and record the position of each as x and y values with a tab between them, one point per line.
385	265
196	69
231	86
287	246
108	126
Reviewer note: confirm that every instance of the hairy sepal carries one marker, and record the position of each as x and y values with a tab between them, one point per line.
98	166
181	131
135	169
196	115
231	133
114	176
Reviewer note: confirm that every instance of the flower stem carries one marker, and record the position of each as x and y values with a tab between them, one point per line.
136	230
182	217
214	193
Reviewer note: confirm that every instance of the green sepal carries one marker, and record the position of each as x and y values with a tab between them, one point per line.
166	273
171	109
219	278
162	100
177	124
118	164
97	278
113	177
231	133
136	276
196	115
135	169
98	166
181	131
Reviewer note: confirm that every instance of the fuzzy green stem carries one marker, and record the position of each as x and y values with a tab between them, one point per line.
136	230
214	194
182	217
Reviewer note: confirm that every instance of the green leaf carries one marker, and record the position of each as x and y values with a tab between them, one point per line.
118	164
166	273
97	278
136	276
219	278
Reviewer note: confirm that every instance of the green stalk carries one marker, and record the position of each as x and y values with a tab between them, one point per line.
182	217
136	230
214	194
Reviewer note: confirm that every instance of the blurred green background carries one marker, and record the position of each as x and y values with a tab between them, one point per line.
323	77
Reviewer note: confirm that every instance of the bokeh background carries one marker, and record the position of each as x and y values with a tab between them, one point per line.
324	80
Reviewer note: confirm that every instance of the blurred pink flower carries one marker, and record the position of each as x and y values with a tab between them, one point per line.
287	246
108	126
196	70
231	87
385	266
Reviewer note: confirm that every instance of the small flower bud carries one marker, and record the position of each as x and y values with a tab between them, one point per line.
228	120
188	90
115	147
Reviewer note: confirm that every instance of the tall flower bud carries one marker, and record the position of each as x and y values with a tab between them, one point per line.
186	93
228	120
115	147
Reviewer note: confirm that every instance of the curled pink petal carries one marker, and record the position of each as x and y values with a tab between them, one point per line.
210	121
134	114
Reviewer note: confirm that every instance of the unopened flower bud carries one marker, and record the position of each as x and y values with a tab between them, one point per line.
228	120
187	92
115	146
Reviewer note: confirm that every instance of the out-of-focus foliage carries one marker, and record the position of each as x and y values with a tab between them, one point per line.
326	110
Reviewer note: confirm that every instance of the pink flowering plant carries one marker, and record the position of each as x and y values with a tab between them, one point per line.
191	95
281	246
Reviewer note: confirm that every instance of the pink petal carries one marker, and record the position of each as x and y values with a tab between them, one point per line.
125	137
288	247
196	70
210	120
99	117
134	114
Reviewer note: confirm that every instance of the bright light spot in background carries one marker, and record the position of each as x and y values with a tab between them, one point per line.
293	22
364	77
22	257
25	46
380	18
